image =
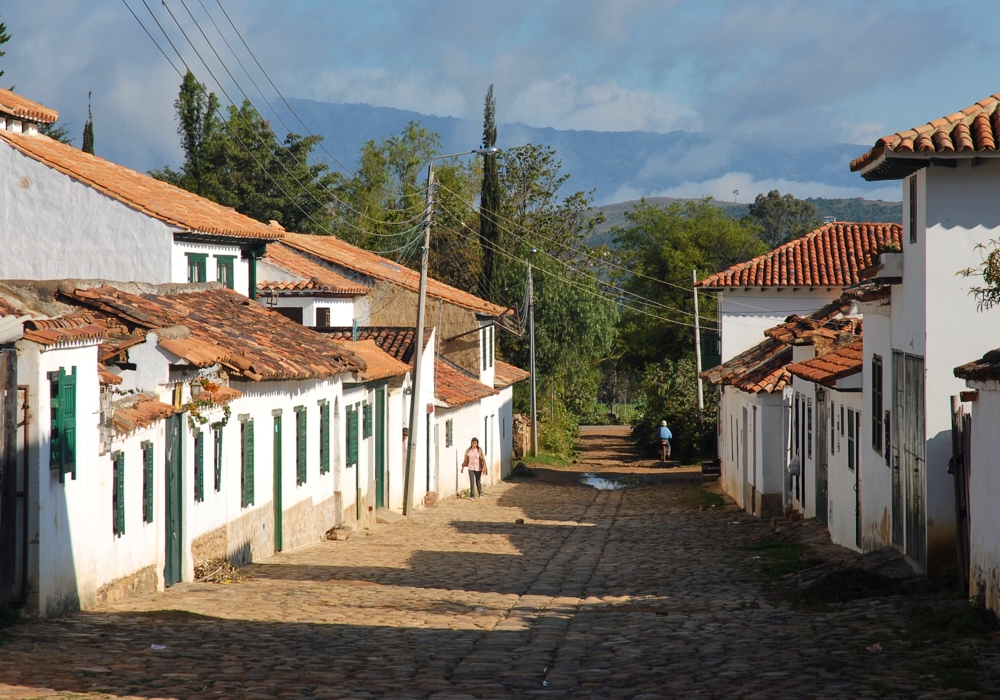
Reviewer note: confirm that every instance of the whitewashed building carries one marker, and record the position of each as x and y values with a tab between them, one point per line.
929	321
101	220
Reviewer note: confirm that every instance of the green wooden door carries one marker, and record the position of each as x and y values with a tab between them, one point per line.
380	448
277	483
173	499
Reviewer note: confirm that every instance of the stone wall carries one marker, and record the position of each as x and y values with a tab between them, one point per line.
143	581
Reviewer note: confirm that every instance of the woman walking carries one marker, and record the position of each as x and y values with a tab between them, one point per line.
476	464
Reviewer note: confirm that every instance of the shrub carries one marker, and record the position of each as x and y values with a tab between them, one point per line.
669	391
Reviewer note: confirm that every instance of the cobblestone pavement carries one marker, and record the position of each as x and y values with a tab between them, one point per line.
598	594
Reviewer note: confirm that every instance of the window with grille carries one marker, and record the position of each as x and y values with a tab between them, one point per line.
324	437
809	427
301	455
62	414
877	403
217	460
199	466
147	481
225	269
246	461
367	414
851	441
323	318
351	414
197	264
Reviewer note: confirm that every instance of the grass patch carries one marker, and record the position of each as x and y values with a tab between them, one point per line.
699	497
942	622
546	460
849	584
774	559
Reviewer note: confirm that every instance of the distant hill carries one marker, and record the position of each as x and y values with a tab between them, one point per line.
840	209
616	165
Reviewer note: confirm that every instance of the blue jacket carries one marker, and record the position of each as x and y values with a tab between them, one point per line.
665	433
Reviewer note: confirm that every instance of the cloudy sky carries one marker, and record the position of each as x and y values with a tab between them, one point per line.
786	71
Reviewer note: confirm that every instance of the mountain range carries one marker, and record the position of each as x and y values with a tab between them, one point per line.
619	166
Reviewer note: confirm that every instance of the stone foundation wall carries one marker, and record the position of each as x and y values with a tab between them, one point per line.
143	581
768	505
211	545
251	536
305	523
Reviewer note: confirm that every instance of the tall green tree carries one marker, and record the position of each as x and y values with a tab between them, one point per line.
4	38
56	131
88	129
782	218
659	248
237	161
491	199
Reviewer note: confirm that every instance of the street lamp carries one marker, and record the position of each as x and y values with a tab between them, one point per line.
411	451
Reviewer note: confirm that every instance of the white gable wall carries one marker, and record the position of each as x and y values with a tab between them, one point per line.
86	234
747	313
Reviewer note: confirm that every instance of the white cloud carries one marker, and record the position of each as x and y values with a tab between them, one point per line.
722	188
606	106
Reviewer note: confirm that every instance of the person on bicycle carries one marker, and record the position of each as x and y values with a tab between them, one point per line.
665	436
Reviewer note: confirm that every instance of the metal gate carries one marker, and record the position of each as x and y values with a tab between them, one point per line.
822	458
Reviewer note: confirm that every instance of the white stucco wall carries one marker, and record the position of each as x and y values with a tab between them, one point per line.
984	485
341	310
876	472
841	507
747	313
766	438
465	426
85	233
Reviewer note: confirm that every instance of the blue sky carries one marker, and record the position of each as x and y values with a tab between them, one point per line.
794	72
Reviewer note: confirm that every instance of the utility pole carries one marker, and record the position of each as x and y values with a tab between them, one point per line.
531	337
418	353
697	340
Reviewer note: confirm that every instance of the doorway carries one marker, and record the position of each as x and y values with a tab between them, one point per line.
380	448
278	543
173	498
822	460
745	461
909	456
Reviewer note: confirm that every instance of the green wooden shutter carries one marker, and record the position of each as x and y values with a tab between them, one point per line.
118	494
352	437
247	466
55	425
67	406
218	458
324	438
199	466
300	445
367	414
147	482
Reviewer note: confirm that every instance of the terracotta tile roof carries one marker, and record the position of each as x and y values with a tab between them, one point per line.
504	375
337	252
261	344
985	369
830	256
200	353
218	394
139	411
106	377
64	329
380	364
314	276
456	387
172	205
827	369
975	129
763	368
23	108
6	309
397	341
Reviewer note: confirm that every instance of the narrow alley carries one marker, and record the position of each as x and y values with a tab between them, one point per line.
633	593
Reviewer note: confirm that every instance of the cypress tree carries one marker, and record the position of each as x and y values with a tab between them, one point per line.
4	38
489	204
88	130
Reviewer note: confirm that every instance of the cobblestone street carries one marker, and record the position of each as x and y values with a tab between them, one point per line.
599	593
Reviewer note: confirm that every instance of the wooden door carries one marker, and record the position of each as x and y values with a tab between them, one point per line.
278	543
822	459
745	462
380	448
898	365
173	500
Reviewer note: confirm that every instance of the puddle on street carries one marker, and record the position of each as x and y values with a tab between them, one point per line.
613	484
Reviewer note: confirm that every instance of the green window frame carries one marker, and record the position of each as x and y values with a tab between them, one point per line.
301	456
324	437
62	413
147	481
217	461
482	348
118	494
352	436
492	341
199	466
246	461
449	433
367	414
197	264
225	270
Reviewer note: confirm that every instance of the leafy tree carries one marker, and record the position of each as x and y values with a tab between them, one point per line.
88	130
660	248
668	391
56	131
782	217
490	201
4	38
237	161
